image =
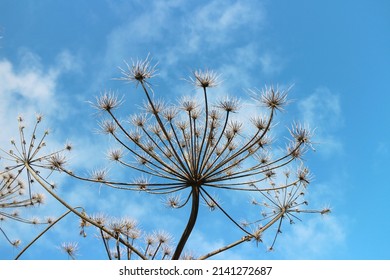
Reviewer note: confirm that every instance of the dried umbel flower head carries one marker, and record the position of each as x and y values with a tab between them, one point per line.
139	71
38	198
271	97
107	101
188	104
304	176
301	133
12	199
129	224
284	202
193	147
26	154
139	120
57	161
162	237
173	201
205	78
16	243
70	248
108	127
99	175
115	154
100	218
229	104
25	164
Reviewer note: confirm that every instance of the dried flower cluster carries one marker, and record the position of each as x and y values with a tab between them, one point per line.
15	193
190	148
189	152
152	246
12	199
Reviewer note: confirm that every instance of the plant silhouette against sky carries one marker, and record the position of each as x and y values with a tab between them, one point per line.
185	152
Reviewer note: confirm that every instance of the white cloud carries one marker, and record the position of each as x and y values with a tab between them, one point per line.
322	111
27	83
214	22
270	63
322	107
172	30
30	86
314	238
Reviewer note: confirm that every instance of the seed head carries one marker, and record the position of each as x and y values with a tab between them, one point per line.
173	201
115	155
57	161
99	175
214	115
16	243
142	183
99	218
68	146
212	204
129	224
273	98
70	248
259	122
150	239
139	120
170	113
229	104
108	127
167	251
304	176
325	211
188	104
162	237
38	198
107	101
116	226
205	79
39	117
302	134
235	127
139	71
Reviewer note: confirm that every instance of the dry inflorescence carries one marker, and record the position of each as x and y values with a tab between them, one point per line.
190	152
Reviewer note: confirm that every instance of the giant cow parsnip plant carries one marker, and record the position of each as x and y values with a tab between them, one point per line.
189	152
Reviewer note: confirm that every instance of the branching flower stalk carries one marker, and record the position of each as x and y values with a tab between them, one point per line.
155	246
188	149
12	199
50	223
27	158
278	204
191	148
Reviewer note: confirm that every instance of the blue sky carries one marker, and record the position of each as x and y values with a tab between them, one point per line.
56	55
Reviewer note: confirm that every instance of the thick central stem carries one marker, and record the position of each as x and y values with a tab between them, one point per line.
190	224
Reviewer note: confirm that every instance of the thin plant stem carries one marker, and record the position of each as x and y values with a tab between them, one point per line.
245	238
190	224
42	233
83	217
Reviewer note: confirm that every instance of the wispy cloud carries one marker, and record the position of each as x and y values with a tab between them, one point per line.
214	22
322	111
30	86
180	31
314	238
271	63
